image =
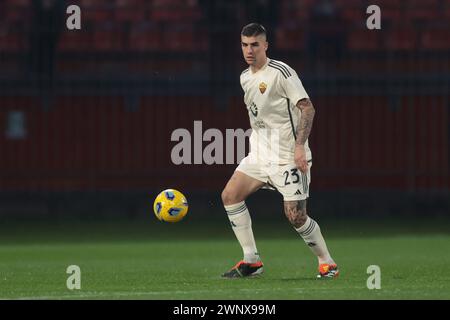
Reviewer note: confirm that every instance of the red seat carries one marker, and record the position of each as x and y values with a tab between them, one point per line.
17	14
174	10
94	3
179	38
422	10
136	4
436	38
349	3
421	3
401	38
426	13
364	40
130	10
10	41
144	37
175	14
391	10
134	15
108	38
96	15
392	14
290	39
294	10
171	3
18	3
383	4
354	15
78	40
351	10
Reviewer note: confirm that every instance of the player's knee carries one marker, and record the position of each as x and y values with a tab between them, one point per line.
230	197
227	197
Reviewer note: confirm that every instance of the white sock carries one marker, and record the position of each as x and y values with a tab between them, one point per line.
310	232
242	227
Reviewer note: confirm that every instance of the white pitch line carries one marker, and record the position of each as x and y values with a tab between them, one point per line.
143	293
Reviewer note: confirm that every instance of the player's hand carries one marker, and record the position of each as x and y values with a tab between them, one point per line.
300	158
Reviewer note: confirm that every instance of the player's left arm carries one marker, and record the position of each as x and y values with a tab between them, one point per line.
292	88
303	130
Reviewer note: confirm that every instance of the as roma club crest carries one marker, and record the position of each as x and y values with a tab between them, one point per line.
262	87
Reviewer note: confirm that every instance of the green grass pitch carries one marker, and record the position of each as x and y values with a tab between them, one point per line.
151	260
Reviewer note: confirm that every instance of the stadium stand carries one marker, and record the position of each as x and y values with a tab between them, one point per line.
156	51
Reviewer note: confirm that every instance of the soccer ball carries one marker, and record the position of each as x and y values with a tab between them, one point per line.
170	206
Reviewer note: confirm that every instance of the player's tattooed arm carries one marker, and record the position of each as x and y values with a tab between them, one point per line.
306	120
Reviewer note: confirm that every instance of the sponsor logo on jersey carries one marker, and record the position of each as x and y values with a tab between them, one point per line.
260	124
262	87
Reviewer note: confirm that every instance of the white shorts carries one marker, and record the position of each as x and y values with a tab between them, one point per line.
286	179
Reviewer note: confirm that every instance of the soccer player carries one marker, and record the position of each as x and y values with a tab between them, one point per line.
281	116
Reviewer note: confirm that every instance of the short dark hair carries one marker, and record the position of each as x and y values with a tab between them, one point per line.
253	30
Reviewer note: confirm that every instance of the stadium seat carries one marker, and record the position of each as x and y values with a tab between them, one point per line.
436	38
175	15
422	10
354	16
174	10
97	15
422	15
136	4
350	3
401	38
17	14
94	11
10	41
22	4
108	37
391	15
398	4
179	38
133	15
130	10
94	3
172	3
293	12
391	10
364	40
144	37
351	11
290	38
75	41
422	4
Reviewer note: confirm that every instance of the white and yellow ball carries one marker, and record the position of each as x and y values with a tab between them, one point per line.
170	206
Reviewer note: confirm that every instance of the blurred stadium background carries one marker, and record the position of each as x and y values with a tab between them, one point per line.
86	115
86	118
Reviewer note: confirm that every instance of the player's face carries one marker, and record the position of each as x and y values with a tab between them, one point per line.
254	49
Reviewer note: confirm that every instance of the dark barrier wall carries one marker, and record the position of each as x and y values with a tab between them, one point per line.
94	142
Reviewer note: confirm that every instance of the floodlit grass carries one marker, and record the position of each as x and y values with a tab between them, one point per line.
150	260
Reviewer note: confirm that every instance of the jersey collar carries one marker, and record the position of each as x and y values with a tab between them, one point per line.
262	68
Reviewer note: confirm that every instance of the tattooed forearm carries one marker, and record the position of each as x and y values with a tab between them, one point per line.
295	211
306	120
